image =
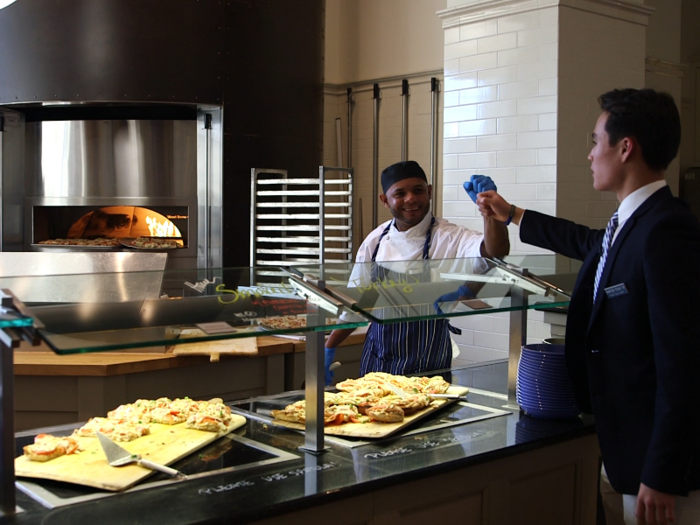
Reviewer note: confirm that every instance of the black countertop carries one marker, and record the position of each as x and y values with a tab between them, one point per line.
239	494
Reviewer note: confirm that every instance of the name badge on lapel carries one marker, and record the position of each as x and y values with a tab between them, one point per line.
616	291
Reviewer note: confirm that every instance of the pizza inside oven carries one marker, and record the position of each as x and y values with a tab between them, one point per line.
151	243
101	241
147	243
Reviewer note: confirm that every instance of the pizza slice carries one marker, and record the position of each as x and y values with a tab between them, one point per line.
294	413
386	413
202	421
187	405
134	412
212	417
94	424
129	431
47	447
116	430
168	416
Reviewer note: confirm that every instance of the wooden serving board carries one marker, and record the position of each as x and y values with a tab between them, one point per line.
165	444
214	349
377	429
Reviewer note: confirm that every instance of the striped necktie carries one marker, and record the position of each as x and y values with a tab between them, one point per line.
607	241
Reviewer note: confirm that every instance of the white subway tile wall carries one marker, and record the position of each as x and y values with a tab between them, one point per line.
522	91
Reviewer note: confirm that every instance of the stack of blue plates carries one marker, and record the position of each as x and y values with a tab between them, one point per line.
543	388
529	428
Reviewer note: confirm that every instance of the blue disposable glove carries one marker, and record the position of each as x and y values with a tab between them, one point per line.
463	292
477	184
330	355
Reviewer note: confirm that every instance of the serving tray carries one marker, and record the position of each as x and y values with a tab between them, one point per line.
377	429
74	248
166	444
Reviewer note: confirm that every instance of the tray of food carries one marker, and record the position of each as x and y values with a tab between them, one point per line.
99	244
369	407
152	243
162	430
288	322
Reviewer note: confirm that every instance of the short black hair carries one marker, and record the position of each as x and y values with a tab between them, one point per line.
649	116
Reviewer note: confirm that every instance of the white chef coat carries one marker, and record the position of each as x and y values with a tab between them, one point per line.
449	241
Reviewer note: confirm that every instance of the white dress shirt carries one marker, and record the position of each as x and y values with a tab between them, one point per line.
633	201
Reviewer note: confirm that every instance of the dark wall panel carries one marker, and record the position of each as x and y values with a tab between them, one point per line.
273	103
112	50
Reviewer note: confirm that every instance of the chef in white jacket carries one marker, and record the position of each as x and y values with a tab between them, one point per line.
415	233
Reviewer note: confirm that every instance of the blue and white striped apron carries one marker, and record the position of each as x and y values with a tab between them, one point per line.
405	348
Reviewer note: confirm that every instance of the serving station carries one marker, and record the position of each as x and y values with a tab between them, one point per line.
264	468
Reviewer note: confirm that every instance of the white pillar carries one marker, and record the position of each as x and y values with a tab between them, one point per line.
522	79
520	90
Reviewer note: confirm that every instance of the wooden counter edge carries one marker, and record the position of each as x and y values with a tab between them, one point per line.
40	363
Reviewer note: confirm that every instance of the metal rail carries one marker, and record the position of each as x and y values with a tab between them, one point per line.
375	158
297	217
350	102
434	90
404	120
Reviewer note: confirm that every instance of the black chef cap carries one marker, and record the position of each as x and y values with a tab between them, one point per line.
407	169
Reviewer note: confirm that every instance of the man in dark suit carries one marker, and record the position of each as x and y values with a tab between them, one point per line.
633	328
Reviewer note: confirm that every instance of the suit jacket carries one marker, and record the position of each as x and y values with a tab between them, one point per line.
634	355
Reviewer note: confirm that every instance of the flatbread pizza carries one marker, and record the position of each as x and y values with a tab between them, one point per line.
132	421
369	398
100	241
47	447
152	243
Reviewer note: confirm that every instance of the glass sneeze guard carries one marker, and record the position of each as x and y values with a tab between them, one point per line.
405	291
402	291
93	312
113	311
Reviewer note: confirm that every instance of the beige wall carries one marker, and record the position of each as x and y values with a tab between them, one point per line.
663	35
664	70
373	39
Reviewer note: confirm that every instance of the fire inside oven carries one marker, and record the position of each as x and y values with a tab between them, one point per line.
66	225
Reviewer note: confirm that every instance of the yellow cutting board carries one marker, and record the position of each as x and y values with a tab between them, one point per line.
214	349
377	429
165	444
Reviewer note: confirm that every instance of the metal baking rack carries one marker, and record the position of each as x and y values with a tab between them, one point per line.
288	226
